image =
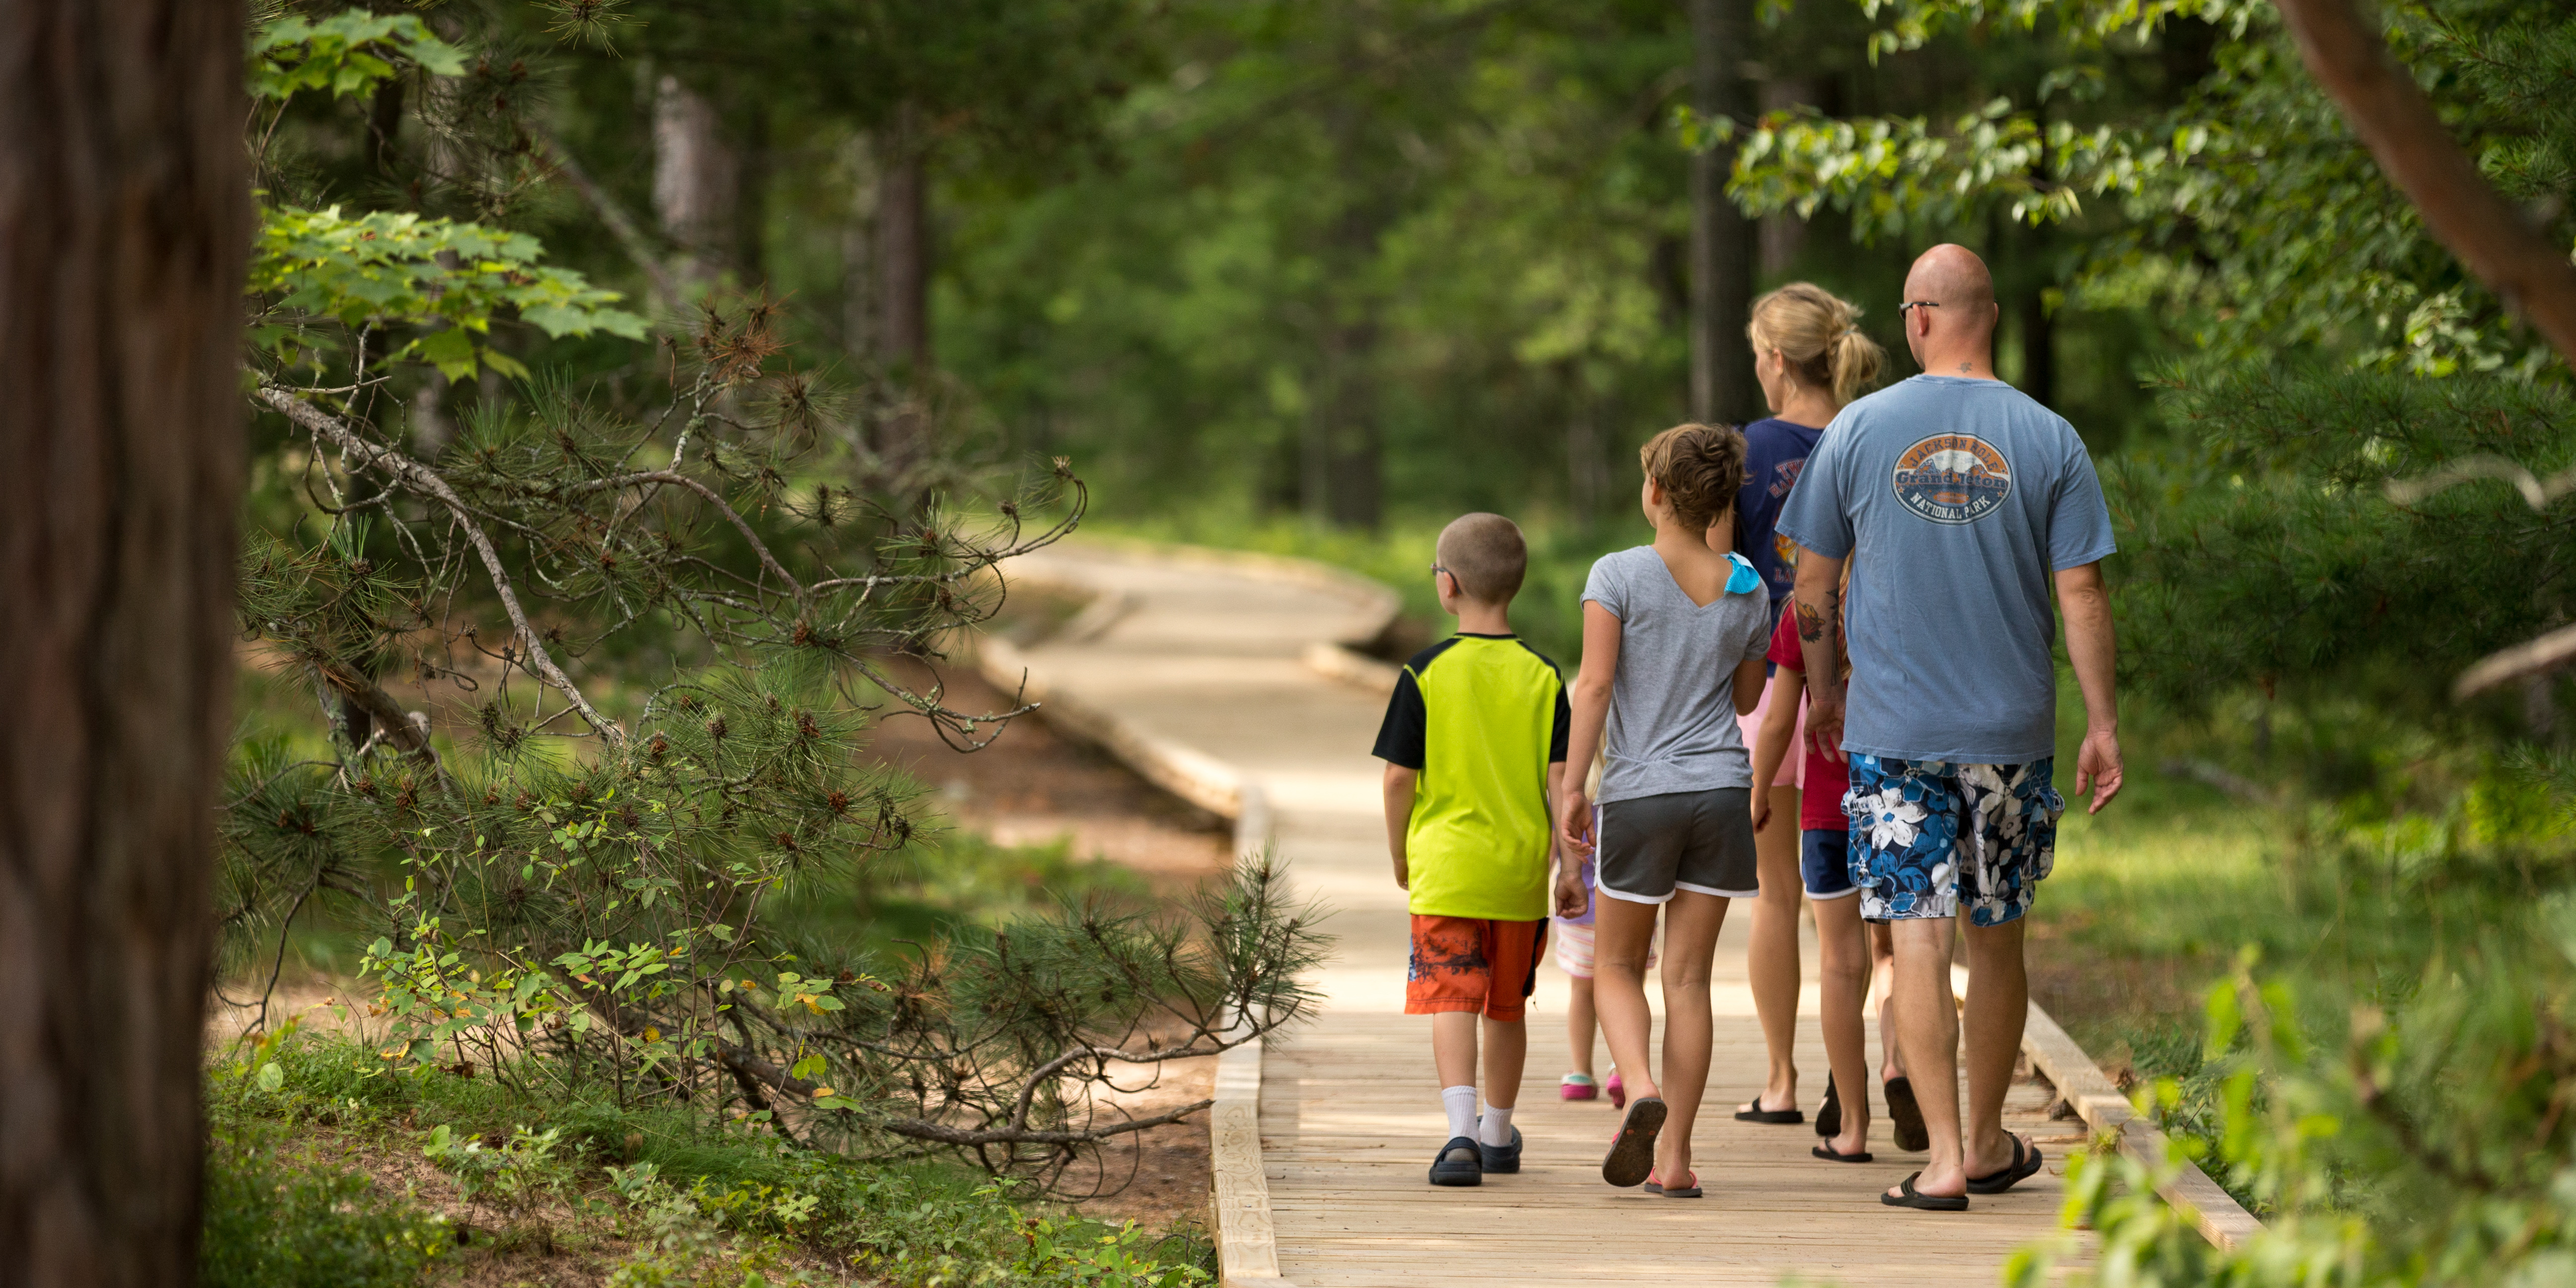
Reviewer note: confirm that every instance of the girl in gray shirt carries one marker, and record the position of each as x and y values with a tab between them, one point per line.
1673	638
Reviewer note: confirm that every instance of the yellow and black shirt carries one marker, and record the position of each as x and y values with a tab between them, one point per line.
1481	717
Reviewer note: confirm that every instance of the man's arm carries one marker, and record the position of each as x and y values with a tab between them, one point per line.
1818	602
1399	818
2093	648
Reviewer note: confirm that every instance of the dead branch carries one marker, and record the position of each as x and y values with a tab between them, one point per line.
947	1135
665	288
421	478
2395	119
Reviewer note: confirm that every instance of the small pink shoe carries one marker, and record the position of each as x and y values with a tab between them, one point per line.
1618	1091
1576	1086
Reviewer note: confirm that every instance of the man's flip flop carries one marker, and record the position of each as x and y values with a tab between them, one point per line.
2025	1165
1826	1152
1912	1198
1690	1191
1632	1152
1769	1117
1911	1135
1829	1115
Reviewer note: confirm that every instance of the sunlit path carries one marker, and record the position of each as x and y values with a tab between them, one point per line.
1209	658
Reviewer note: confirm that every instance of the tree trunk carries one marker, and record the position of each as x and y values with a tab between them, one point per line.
1354	486
903	243
1722	239
750	249
858	257
696	182
124	218
2038	339
1782	234
1588	485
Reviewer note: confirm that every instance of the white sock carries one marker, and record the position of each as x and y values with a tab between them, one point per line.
1495	1128
1461	1104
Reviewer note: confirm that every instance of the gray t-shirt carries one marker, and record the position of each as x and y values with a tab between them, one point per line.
1962	498
1672	703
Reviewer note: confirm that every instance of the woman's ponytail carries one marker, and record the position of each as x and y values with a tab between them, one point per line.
1855	363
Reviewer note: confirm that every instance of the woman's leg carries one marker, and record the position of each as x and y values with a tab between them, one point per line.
1620	932
1580	1023
1691	924
1771	956
1842	969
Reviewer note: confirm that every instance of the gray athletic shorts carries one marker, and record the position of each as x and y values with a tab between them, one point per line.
1651	846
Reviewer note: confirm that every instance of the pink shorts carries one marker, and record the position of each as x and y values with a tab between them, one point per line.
1793	767
1574	949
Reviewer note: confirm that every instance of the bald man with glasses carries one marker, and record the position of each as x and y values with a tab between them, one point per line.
1963	502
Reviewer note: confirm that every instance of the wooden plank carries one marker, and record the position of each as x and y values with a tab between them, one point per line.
1247	1246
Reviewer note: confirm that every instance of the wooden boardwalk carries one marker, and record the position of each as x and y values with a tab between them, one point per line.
1208	658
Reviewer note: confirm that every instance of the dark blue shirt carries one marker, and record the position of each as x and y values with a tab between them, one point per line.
1775	451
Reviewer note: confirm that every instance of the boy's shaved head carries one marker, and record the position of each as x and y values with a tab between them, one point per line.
1486	554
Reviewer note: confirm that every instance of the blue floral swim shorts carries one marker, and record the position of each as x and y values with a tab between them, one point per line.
1929	837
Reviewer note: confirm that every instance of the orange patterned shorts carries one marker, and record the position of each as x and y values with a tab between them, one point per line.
1470	964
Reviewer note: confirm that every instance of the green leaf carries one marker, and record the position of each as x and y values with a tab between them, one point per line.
271	1077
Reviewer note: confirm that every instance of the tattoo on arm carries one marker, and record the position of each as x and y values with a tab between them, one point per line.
1811	624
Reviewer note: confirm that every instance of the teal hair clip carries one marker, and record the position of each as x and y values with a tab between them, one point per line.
1743	581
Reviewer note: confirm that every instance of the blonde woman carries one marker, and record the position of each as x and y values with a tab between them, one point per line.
1811	358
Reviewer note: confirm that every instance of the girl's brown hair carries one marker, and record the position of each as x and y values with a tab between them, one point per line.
1699	467
1818	333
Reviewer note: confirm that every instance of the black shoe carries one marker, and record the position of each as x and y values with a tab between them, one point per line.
1829	1115
1460	1162
1499	1160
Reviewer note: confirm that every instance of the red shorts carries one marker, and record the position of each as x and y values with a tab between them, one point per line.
1470	964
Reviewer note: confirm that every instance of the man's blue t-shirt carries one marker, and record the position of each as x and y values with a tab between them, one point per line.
1774	451
1961	497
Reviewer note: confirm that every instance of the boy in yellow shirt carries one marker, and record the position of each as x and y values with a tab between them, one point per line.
1474	741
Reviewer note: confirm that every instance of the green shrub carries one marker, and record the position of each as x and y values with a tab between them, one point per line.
276	1222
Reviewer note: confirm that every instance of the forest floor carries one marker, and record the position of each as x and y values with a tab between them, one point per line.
1032	788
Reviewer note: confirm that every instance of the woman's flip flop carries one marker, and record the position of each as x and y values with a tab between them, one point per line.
1911	1135
1829	1115
2025	1165
1632	1152
1913	1198
1769	1117
1826	1152
1690	1191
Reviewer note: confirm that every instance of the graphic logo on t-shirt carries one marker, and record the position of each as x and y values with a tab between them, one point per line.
1952	478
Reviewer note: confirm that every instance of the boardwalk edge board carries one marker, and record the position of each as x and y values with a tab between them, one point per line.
1247	1244
2091	1094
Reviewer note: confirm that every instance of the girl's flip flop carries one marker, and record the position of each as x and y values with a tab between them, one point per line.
1769	1117
1632	1152
1912	1198
1826	1152
1911	1135
1690	1191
